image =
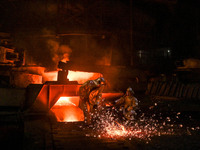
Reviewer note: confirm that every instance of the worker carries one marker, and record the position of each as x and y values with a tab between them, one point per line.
91	96
63	73
128	104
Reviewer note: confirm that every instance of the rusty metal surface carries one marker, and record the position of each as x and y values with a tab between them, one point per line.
12	97
49	94
42	97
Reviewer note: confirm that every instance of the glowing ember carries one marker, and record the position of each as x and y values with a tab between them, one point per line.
109	125
114	130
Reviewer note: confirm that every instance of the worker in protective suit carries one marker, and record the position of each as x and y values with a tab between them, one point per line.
91	96
128	104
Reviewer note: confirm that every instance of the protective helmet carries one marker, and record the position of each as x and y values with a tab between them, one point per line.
100	80
130	91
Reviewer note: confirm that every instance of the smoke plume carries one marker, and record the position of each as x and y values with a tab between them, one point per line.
42	48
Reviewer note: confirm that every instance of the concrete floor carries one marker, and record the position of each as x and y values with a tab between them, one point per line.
41	132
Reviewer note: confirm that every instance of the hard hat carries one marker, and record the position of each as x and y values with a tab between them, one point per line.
100	80
130	90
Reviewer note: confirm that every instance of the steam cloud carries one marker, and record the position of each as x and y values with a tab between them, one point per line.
42	48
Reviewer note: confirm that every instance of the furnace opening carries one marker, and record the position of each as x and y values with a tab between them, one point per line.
66	109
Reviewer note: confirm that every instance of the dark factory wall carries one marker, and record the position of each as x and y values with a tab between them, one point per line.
113	31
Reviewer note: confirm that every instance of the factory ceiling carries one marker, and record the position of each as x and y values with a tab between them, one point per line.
66	16
125	24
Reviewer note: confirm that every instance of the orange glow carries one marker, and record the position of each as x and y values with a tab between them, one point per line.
78	76
65	101
118	130
66	109
82	77
50	76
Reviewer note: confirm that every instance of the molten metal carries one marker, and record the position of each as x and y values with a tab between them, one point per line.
66	109
65	101
78	76
82	77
